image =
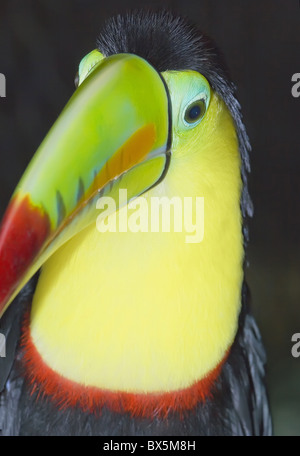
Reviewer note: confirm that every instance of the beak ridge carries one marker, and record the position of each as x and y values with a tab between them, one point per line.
116	124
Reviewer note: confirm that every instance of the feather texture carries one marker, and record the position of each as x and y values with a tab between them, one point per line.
239	403
238	406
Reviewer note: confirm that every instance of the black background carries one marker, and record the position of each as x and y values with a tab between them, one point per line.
41	45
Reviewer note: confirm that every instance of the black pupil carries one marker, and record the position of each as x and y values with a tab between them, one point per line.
194	112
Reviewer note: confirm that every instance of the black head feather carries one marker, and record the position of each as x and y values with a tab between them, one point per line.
170	42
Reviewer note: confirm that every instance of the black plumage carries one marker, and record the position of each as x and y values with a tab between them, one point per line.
239	404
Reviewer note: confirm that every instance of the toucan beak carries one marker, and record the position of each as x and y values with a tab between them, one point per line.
114	132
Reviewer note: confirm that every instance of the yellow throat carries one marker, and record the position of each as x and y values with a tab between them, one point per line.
145	311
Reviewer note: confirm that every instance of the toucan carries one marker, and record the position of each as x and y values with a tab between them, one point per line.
112	327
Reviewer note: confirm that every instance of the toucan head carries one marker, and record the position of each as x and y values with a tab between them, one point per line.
140	106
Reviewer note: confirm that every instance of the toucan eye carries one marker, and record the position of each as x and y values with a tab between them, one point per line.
195	111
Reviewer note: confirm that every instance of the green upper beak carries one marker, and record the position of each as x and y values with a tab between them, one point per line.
113	132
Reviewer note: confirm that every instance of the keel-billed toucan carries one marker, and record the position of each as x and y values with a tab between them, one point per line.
134	331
